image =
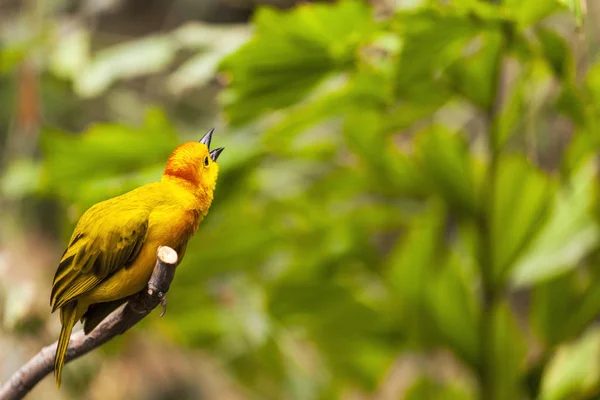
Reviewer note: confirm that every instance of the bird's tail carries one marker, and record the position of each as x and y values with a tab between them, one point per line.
68	317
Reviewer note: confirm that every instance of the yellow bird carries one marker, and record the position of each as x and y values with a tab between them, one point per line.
112	251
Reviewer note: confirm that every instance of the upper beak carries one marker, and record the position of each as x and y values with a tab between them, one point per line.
215	153
207	137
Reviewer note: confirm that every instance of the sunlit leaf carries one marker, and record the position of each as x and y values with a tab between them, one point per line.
123	61
574	371
221	37
194	73
569	234
522	196
213	43
71	54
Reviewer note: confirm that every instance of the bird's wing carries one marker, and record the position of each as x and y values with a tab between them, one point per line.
108	237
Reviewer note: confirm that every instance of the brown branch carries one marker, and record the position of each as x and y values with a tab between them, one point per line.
115	324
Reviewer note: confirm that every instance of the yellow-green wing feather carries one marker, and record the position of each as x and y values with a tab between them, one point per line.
107	238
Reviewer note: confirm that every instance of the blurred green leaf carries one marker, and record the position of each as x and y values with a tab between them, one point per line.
557	53
21	178
12	55
135	58
522	198
530	13
412	267
474	76
408	113
390	169
592	83
432	42
290	53
565	306
71	54
297	300
335	320
445	159
583	145
194	73
585	108
455	310
205	253
291	136
568	235
108	155
553	305
261	369
224	38
488	11
584	311
574	371
509	352
509	116
214	42
571	103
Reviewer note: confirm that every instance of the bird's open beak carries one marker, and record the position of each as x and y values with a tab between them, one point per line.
215	153
206	140
207	137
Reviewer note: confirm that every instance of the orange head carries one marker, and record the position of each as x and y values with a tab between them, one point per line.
195	164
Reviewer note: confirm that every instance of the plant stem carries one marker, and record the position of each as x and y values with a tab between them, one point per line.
486	256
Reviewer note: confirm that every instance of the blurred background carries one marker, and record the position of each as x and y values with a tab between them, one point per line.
407	206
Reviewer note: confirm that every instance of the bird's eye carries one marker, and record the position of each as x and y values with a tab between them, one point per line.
206	161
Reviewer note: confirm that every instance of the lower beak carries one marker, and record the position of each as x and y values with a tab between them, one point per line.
215	153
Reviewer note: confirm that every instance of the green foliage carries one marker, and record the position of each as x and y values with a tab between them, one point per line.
521	225
521	198
569	234
444	159
573	373
392	185
291	53
142	150
507	356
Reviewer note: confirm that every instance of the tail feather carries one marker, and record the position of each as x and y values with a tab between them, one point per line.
68	317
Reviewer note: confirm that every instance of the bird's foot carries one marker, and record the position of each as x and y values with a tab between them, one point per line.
163	303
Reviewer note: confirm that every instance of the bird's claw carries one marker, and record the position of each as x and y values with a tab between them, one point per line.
163	303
